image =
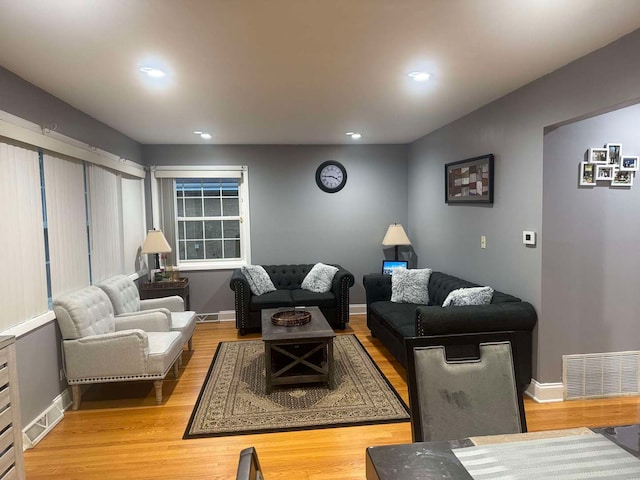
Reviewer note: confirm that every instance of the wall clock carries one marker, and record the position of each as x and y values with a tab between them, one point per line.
331	176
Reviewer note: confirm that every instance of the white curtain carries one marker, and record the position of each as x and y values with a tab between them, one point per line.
133	223
105	207
23	282
67	224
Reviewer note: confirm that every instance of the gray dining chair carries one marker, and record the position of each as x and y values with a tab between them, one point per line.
462	386
249	466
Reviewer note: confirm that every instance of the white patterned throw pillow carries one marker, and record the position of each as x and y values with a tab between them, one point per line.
258	278
319	278
469	296
410	286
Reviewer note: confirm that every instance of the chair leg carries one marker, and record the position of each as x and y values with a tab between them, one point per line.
190	343
76	395
158	385
176	368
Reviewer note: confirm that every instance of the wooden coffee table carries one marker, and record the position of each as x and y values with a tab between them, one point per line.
301	354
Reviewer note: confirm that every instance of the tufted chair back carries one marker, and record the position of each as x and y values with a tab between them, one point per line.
123	294
441	284
83	313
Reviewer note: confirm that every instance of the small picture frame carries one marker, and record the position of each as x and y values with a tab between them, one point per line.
622	178
587	174
628	163
614	151
598	155
605	172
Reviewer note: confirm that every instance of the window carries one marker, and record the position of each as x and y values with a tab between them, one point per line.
205	216
208	215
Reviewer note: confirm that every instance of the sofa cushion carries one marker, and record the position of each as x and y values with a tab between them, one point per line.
305	298
410	286
278	298
469	296
400	317
258	278
319	278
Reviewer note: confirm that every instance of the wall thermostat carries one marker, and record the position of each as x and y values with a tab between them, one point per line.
528	237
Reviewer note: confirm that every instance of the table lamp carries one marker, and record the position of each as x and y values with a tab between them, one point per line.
155	243
395	236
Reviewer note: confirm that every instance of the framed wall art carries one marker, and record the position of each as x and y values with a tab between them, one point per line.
469	181
622	179
614	151
598	155
605	172
587	174
628	163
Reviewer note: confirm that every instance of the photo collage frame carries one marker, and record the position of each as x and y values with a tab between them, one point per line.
608	164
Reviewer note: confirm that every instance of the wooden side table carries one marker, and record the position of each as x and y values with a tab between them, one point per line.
166	289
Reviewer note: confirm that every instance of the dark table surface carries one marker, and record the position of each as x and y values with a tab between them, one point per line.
318	327
435	460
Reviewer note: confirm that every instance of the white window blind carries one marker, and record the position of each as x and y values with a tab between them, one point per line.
105	207
133	224
66	224
23	285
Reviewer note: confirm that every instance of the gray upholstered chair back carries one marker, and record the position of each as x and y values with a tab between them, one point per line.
455	399
249	465
84	312
123	294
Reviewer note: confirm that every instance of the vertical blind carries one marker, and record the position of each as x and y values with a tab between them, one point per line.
91	224
23	283
66	224
105	223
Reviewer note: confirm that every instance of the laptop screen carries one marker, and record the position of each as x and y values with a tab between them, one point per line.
388	266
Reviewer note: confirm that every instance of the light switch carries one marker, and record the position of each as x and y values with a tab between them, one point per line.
483	241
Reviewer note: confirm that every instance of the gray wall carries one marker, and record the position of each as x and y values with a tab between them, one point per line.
590	263
448	237
29	102
292	220
38	352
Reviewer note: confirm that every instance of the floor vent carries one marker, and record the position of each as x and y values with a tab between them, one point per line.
36	430
601	375
207	317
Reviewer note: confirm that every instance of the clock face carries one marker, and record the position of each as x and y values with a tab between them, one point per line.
331	176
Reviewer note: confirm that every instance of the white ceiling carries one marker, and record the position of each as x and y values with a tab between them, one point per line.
296	71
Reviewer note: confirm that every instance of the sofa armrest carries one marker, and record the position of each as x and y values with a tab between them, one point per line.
149	321
242	294
173	303
377	287
494	317
343	280
106	355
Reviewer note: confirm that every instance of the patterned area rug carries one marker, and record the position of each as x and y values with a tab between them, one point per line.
233	399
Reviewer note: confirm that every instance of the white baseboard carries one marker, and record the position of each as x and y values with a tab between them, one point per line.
357	309
545	392
44	423
227	315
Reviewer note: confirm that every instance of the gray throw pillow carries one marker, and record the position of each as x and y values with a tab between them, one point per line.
410	286
469	296
319	278
258	278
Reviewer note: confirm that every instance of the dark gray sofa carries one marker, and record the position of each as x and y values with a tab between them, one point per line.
288	279
393	322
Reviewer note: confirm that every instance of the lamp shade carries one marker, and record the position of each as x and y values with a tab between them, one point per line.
395	236
155	243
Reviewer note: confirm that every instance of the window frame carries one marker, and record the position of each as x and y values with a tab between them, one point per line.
210	172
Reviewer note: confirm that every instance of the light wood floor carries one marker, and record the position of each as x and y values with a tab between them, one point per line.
119	432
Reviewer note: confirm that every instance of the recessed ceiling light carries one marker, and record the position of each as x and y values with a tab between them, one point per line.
197	132
354	135
153	72
419	76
